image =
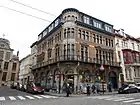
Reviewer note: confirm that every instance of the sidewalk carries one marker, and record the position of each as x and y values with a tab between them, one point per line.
76	95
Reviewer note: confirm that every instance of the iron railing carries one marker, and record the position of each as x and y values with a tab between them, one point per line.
74	58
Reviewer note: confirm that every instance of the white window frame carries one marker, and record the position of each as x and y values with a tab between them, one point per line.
86	19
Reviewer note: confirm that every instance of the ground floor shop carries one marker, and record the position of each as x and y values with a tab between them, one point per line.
54	77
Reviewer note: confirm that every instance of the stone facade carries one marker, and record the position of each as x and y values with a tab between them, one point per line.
9	63
72	49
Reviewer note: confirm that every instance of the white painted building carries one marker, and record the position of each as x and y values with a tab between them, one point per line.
25	74
128	54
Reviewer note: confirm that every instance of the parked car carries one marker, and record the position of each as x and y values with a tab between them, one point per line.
34	88
13	85
128	88
138	86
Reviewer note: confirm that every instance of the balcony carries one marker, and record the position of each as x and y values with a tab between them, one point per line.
72	58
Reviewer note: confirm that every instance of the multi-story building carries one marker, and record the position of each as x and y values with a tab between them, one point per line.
128	51
73	48
25	74
9	63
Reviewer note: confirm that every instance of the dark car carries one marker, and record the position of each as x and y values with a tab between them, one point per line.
13	85
34	88
128	88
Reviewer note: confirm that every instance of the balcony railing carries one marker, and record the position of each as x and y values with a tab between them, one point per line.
75	58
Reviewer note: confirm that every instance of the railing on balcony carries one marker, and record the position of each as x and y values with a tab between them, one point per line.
75	58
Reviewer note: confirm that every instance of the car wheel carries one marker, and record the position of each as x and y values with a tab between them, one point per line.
137	91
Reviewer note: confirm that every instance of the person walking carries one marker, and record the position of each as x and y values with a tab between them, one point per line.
88	90
93	88
110	87
67	90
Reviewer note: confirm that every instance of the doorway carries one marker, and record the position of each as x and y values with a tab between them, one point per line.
113	79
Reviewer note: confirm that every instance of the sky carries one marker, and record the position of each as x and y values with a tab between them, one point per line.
22	30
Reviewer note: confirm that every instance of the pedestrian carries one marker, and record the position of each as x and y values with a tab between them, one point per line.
68	90
88	90
93	88
110	87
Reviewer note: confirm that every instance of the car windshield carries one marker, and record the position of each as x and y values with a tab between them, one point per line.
124	86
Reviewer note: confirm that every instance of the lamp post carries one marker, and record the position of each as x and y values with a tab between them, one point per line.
102	69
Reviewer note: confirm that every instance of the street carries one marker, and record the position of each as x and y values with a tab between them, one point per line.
14	97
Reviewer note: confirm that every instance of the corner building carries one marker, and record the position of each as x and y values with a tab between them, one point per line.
71	50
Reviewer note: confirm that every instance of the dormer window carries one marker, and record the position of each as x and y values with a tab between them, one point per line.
97	24
56	22
86	19
108	28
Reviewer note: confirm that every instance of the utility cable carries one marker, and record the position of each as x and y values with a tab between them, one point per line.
32	7
25	13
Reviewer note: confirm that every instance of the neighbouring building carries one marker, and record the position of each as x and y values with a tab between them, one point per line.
25	74
75	48
9	63
128	54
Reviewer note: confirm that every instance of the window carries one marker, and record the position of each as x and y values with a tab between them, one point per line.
68	50
72	51
106	41
108	28
4	76
65	33
86	53
14	66
64	50
97	24
50	27
44	33
72	32
87	36
56	22
97	55
86	19
49	53
111	43
101	40
82	52
13	77
138	47
6	65
94	38
79	34
133	46
68	33
1	54
83	35
97	38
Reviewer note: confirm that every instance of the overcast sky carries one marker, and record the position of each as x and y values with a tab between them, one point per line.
22	30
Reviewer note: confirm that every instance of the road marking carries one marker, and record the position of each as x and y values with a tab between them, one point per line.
21	97
137	103
12	98
46	96
132	100
103	97
2	98
30	97
123	99
37	96
112	98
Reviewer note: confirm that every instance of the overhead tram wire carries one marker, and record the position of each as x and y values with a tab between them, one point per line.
25	13
32	7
